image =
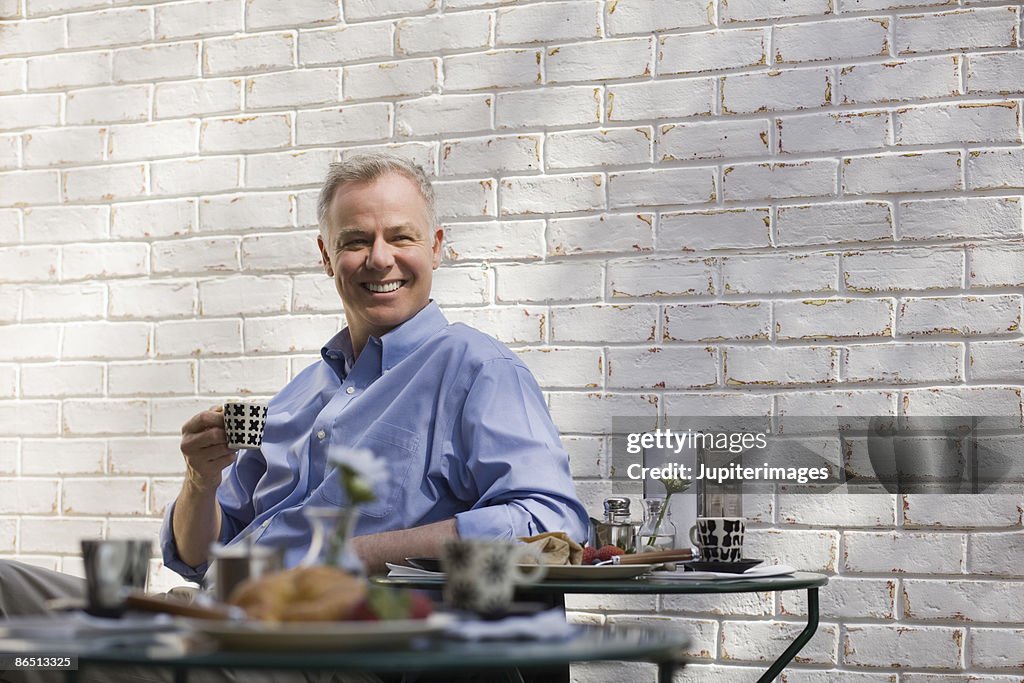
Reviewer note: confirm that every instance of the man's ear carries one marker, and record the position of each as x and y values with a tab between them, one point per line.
324	257
438	239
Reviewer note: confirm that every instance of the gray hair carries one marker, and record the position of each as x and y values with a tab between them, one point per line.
363	168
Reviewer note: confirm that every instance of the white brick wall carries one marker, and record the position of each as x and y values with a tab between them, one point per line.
667	206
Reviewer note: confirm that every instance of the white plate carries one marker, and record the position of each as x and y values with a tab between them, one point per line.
587	572
316	635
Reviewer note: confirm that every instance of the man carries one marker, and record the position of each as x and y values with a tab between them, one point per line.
463	427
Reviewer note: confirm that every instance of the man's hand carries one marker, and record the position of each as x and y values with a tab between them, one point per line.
196	520
204	444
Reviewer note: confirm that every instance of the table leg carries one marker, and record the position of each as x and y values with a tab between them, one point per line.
180	675
666	671
786	657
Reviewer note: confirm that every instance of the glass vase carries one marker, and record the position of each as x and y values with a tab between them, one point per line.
331	543
658	531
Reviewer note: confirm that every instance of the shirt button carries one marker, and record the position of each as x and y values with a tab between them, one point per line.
265	524
321	435
350	390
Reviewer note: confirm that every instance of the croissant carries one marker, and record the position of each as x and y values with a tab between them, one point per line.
301	594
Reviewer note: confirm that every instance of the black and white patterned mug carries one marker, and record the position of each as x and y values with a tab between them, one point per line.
244	422
720	539
482	575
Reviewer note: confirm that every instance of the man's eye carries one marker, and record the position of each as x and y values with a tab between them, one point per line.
354	243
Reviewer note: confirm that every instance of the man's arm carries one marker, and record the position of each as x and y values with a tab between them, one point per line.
395	546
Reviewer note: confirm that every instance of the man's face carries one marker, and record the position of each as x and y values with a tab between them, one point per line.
381	251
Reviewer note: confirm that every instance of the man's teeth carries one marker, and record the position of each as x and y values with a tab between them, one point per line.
381	288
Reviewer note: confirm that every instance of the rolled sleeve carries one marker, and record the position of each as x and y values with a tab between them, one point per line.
169	548
515	459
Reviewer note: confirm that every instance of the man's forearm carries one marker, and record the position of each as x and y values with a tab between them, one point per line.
196	522
394	546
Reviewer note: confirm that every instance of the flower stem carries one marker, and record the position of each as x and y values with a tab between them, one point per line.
661	517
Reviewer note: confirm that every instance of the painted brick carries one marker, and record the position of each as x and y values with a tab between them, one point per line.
964	316
552	194
108	105
591	413
466	198
833	318
243	294
858	5
9	152
290	251
146	300
23	111
145	379
994	72
101	339
199	337
521	240
966	29
293	89
62	380
490	155
443	114
28	496
104	183
832	132
148	140
156	62
40	36
961	511
246	212
108	28
138	456
995	169
629	233
670	186
211	96
713	139
764	641
390	79
905	80
65	223
192	19
991	601
976	122
680	367
461	31
461	286
544	283
195	256
650	278
287	334
778	180
508	324
152	219
314	293
902	270
63	302
916	646
771	273
751	10
12	75
263	14
598	61
995	553
776	90
243	375
352	123
677	98
106	496
495	69
549	22
238	54
569	105
28	264
607	146
646	16
247	134
913	363
344	44
815	550
845	599
717	322
714	229
994	360
973	218
50	536
911	172
80	261
760	365
69	71
712	51
831	40
903	552
968	400
995	648
705	403
603	323
192	176
359	10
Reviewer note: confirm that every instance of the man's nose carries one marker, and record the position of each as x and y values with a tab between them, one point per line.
381	255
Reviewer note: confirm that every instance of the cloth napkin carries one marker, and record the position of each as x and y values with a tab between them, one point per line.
549	626
81	625
555	547
759	572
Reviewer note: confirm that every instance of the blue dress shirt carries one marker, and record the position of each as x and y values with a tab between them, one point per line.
458	418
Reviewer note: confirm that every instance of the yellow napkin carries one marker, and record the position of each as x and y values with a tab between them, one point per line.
555	547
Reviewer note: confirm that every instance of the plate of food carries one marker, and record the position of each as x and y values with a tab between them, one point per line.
590	572
320	608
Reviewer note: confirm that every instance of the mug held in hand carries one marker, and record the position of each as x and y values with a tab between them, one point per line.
244	422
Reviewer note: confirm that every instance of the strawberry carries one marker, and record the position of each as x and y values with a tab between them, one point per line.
420	605
364	612
589	555
608	552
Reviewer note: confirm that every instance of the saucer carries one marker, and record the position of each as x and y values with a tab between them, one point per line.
737	567
427	564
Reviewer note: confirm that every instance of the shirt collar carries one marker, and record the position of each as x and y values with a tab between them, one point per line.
397	344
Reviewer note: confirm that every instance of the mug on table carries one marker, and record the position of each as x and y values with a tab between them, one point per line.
482	575
720	539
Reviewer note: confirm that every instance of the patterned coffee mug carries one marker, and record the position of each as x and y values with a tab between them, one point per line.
244	422
482	575
720	539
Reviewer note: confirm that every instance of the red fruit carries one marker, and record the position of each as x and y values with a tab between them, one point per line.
589	554
420	606
364	612
608	552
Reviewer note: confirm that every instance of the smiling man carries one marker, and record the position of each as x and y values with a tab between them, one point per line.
459	420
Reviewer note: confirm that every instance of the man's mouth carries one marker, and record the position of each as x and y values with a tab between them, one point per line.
383	287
